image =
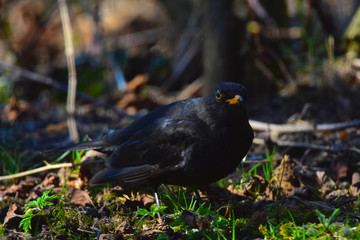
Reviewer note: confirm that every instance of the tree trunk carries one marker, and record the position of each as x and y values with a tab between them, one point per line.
220	49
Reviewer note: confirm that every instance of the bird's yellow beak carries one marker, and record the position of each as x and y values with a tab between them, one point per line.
236	100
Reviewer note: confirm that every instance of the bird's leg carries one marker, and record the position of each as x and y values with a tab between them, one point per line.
158	204
155	189
157	199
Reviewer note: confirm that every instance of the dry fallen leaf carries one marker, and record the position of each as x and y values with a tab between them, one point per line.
355	184
324	181
13	217
110	237
147	199
51	180
339	169
285	177
81	198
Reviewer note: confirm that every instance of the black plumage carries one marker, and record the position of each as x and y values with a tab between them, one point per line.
190	142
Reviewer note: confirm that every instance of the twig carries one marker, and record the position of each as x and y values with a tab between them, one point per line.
57	85
36	170
86	231
308	145
69	52
292	128
47	167
334	148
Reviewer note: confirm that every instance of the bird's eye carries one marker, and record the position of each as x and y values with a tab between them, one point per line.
218	94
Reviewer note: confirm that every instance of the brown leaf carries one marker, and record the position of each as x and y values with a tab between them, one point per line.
355	184
235	191
195	220
23	188
324	181
339	169
355	179
110	237
13	217
147	199
285	177
81	198
51	180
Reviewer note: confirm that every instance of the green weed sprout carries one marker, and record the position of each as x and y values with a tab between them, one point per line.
327	221
268	166
36	208
154	209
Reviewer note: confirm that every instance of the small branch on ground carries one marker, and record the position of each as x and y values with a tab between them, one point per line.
334	148
36	170
47	167
293	128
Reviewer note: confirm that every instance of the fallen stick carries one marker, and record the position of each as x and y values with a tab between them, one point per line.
293	128
47	167
36	170
333	148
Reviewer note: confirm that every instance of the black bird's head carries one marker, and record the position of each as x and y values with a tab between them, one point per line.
226	104
229	93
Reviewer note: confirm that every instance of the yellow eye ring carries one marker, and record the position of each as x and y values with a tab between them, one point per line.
218	94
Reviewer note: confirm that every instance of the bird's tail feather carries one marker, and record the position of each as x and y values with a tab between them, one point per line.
121	176
97	144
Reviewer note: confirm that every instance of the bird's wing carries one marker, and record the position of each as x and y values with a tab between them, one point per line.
153	150
110	143
161	142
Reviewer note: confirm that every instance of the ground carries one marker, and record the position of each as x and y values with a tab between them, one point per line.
293	182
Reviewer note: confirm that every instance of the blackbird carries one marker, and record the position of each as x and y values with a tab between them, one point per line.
189	143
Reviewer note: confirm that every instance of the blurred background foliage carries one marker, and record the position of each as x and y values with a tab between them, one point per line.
274	47
298	58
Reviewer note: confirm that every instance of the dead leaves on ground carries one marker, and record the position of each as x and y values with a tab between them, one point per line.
291	179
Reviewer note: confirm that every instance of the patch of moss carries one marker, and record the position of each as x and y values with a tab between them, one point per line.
109	225
66	220
2	230
283	211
